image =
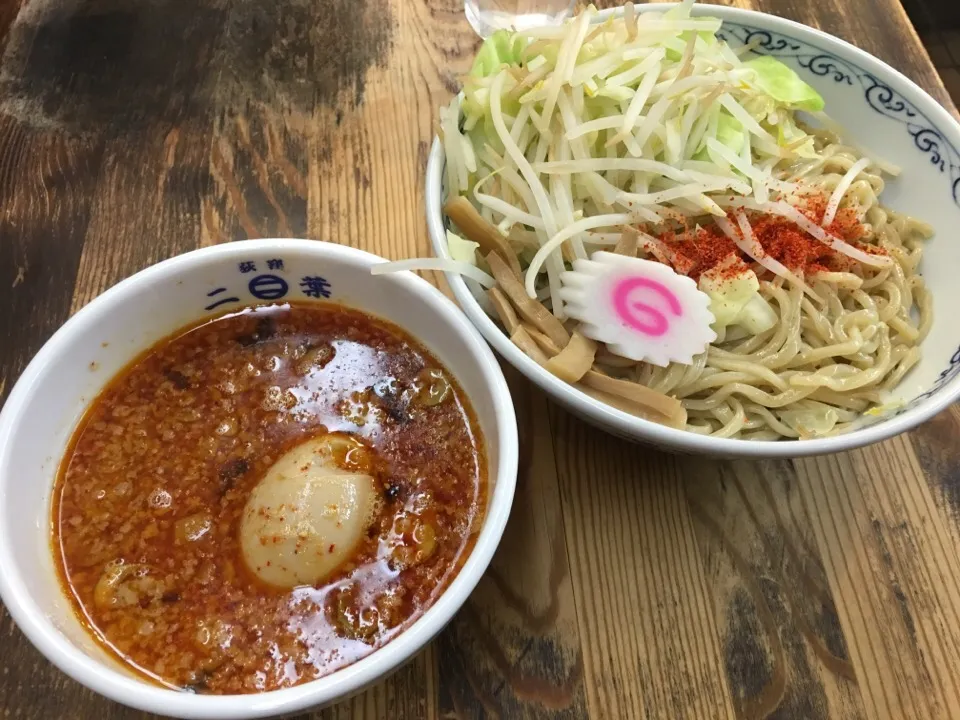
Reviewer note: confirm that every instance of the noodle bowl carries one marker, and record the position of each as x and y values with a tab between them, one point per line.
843	358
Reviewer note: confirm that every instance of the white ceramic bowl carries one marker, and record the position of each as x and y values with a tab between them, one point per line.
891	116
54	390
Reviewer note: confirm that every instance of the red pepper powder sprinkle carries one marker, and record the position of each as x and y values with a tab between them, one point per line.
702	249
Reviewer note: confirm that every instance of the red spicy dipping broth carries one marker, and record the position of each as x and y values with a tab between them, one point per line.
267	497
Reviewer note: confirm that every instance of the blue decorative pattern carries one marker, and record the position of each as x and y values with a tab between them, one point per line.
879	96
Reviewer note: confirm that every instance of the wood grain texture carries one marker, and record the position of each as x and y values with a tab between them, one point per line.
629	584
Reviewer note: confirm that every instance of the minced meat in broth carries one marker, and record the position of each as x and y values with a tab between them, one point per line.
152	492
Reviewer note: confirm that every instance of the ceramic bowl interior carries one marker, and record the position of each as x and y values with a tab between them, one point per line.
53	392
886	113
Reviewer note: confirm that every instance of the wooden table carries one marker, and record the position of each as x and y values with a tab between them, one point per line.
629	584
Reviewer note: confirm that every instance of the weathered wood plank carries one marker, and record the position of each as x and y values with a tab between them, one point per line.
886	553
47	184
650	641
784	649
514	650
629	583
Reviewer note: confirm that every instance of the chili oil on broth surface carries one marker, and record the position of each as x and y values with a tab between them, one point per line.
267	497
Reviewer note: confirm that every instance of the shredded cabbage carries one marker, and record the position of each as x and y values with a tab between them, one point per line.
461	250
736	300
501	48
727	295
757	316
783	84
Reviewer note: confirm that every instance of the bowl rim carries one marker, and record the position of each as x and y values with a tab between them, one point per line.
340	684
636	428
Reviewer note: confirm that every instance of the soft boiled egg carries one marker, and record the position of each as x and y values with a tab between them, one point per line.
309	512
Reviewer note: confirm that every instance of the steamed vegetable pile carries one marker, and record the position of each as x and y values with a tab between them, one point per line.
565	135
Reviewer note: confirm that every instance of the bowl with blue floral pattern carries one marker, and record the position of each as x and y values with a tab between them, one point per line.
880	110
